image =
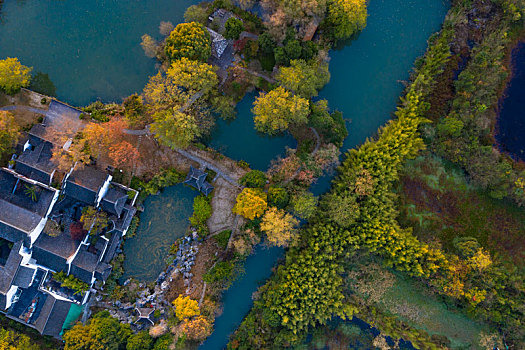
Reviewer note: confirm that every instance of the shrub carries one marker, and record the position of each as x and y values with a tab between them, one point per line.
223	238
233	28
201	213
254	179
278	197
220	272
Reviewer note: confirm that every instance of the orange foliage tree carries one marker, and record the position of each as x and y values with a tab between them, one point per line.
198	328
123	154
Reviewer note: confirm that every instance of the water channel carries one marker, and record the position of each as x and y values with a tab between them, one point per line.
91	51
511	121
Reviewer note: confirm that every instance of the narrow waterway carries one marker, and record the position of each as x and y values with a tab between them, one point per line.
511	119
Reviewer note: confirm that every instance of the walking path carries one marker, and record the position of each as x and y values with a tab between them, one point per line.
260	75
25	108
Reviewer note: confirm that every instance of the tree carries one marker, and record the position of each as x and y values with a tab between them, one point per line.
185	307
304	204
253	178
124	154
93	220
196	13
149	45
100	332
134	110
166	27
100	136
342	210
278	197
190	40
275	110
76	155
139	341
11	340
279	226
9	132
266	43
303	78
13	75
175	129
346	17
198	328
183	79
251	203
233	28
77	231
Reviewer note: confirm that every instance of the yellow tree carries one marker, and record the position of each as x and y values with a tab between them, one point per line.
76	154
13	75
275	110
174	128
183	80
279	226
251	203
191	40
9	132
303	78
185	307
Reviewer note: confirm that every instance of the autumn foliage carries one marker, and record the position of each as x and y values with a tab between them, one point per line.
251	203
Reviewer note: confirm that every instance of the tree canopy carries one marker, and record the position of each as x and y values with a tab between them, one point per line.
101	332
13	75
190	40
277	109
9	132
279	226
174	128
346	17
251	203
304	78
233	28
185	307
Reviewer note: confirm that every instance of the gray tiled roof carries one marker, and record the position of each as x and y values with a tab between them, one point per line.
84	184
18	209
36	164
52	316
62	246
84	264
8	271
48	259
24	276
114	200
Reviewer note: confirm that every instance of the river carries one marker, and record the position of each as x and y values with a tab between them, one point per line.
91	51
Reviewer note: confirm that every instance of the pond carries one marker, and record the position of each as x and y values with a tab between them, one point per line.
90	49
511	120
239	140
165	218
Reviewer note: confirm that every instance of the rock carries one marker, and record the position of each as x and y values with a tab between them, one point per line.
117	303
164	285
127	282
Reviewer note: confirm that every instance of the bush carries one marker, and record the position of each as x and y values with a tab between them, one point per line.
278	197
201	213
233	28
223	238
254	179
220	272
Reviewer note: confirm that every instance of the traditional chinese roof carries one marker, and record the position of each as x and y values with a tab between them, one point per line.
218	43
84	184
17	209
114	200
9	270
145	313
52	316
197	179
35	162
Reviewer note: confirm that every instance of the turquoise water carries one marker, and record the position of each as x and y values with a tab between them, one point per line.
165	218
237	300
239	140
90	49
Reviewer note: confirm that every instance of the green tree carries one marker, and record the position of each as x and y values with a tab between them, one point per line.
254	178
139	341
190	40
233	28
93	220
304	204
9	132
175	129
303	78
278	197
266	43
342	210
275	110
196	13
331	126
100	332
134	110
346	17
13	75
